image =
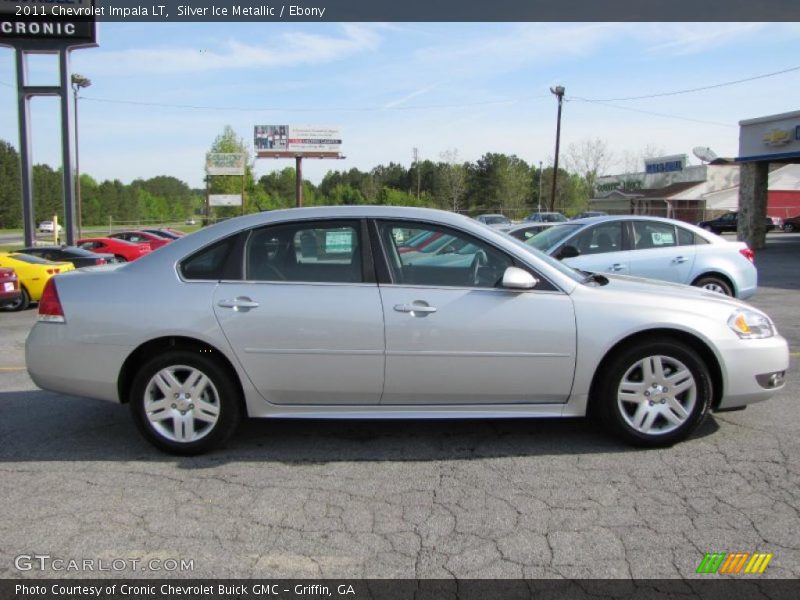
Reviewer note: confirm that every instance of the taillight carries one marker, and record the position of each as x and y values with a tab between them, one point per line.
747	253
50	305
53	271
100	261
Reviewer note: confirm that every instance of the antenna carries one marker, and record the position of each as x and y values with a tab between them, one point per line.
704	153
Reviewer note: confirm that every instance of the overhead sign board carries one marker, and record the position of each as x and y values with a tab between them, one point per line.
297	140
48	23
218	163
776	137
665	164
225	200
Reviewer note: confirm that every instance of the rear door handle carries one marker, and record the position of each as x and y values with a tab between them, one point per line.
679	259
616	267
240	303
418	306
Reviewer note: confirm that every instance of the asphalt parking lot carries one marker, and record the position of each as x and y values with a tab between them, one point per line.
403	499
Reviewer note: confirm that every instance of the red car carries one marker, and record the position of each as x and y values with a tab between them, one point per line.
142	237
9	287
123	251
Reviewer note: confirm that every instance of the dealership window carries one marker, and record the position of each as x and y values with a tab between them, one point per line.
319	252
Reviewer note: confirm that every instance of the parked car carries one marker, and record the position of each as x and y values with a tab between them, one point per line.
77	256
655	248
590	213
418	242
48	227
248	322
33	272
525	231
142	237
165	233
190	221
9	287
729	222
546	217
494	220
791	224
123	251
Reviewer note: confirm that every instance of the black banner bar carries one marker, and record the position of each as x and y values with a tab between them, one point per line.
407	10
713	587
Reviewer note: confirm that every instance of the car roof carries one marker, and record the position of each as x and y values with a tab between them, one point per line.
601	219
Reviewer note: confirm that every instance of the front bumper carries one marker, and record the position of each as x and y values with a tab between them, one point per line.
747	367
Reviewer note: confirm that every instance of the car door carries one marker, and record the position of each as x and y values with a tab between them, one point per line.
453	336
658	254
305	321
602	248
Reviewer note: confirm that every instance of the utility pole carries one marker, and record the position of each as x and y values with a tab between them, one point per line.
416	166
541	179
558	91
78	82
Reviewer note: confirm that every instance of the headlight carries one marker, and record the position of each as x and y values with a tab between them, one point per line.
750	325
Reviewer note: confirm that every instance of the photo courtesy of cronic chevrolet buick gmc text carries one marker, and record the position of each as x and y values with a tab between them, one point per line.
317	313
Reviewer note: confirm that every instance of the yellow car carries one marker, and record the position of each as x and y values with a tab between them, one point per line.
33	272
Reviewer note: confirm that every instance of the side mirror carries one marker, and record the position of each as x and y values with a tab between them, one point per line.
567	252
515	278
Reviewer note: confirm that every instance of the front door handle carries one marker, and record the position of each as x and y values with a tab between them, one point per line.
240	303
679	260
616	267
416	308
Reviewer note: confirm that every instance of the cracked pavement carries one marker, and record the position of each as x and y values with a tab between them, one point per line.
414	499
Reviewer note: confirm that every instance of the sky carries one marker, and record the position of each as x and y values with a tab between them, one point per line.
391	87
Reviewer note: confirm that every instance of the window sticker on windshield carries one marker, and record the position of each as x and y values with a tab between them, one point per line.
662	239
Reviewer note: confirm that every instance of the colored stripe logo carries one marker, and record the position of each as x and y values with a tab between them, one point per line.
734	563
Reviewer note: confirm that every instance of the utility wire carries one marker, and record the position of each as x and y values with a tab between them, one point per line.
649	112
697	89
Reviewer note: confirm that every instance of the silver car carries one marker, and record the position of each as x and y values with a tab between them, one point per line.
314	313
655	248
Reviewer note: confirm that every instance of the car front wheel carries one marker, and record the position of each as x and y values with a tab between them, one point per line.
184	403
655	394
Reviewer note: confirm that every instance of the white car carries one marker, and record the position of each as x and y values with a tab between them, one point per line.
315	313
47	227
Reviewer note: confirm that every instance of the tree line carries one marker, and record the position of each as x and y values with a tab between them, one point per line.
495	182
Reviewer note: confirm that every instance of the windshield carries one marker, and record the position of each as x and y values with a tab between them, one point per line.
544	240
552	262
496	220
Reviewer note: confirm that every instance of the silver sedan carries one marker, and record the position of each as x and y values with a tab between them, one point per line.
324	313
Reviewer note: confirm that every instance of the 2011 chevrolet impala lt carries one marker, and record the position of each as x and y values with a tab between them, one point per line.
326	313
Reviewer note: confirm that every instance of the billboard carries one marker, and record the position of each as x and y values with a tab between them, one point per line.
297	140
225	200
48	24
228	163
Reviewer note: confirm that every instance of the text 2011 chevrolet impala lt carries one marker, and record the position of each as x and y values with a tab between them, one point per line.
325	313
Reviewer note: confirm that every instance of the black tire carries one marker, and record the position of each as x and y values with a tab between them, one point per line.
789	228
714	284
223	394
21	303
709	228
616	413
120	259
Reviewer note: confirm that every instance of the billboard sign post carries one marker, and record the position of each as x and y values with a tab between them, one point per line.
298	142
45	31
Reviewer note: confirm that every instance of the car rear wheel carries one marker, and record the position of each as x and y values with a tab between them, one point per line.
22	302
789	228
184	403
714	284
655	394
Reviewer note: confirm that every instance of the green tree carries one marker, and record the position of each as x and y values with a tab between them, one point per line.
10	187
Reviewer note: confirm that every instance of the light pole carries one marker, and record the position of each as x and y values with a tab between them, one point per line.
541	177
78	82
559	93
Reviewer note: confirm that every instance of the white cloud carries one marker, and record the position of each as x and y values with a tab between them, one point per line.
285	50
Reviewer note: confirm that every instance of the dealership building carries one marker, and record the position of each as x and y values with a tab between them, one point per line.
669	187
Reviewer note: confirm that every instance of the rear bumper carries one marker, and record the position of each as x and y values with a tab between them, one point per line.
747	367
59	364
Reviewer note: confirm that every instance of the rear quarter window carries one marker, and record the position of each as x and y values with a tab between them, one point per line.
213	262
